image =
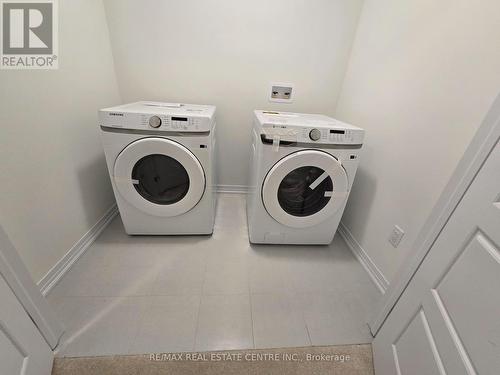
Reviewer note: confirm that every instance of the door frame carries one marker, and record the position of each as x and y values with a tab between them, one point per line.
27	292
471	162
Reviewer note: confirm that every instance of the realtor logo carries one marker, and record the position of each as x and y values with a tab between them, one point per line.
29	34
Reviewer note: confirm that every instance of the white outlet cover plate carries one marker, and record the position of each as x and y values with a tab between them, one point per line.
281	85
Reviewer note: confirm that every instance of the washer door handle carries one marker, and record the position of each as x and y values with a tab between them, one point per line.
318	181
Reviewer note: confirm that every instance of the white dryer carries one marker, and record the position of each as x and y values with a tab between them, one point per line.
160	158
302	169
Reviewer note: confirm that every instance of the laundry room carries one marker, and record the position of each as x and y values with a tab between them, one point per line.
227	186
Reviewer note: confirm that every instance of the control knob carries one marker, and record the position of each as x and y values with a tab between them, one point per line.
154	121
315	134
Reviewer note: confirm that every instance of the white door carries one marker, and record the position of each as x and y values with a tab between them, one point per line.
159	176
305	188
22	348
448	319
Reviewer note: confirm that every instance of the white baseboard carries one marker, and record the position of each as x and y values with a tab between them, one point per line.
235	189
59	270
376	275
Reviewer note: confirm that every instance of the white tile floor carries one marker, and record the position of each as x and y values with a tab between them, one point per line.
165	294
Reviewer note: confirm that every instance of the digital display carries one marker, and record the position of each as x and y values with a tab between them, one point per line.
179	119
337	131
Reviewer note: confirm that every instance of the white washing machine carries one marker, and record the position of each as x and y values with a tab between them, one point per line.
302	169
160	158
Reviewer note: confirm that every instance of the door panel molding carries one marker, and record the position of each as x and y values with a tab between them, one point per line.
19	280
477	152
23	350
455	285
453	333
412	334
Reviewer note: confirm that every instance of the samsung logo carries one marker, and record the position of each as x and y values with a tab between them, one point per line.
115	114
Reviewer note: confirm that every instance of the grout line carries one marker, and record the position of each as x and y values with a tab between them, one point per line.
251	304
199	305
305	323
156	295
147	308
308	333
293	285
197	323
295	294
251	319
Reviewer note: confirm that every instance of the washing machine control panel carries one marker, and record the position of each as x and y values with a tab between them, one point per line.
154	121
315	134
312	135
305	128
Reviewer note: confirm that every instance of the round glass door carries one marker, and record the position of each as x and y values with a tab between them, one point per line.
305	188
160	179
305	191
159	176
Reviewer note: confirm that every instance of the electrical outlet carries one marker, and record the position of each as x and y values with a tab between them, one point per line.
281	92
396	236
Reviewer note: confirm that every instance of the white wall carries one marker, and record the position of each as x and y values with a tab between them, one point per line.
226	52
422	75
54	180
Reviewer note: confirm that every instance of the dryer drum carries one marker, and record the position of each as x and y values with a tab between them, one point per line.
160	179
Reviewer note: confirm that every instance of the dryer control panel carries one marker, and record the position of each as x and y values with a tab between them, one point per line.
167	117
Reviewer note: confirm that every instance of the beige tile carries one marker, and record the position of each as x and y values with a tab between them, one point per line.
269	276
277	321
168	325
224	322
99	325
330	321
226	277
162	276
182	277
